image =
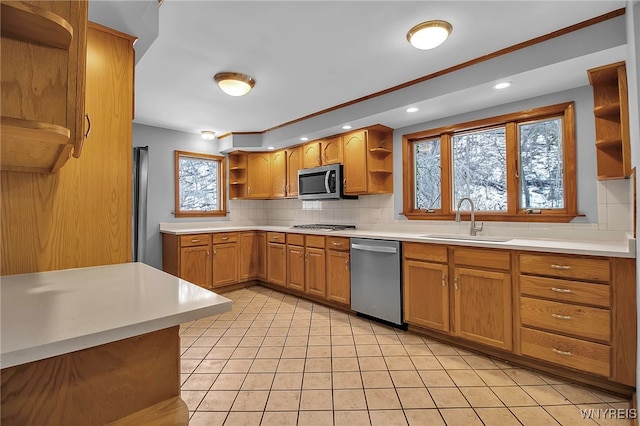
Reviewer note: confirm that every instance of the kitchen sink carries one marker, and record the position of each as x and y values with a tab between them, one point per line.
465	238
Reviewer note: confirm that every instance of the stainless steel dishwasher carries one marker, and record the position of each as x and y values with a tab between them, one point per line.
376	280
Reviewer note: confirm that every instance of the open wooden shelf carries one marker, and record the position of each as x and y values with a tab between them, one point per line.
607	111
381	152
26	22
32	146
383	172
609	143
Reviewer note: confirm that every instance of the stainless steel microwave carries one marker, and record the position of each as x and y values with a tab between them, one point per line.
321	183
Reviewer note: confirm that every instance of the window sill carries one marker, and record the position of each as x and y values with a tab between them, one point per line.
488	217
200	214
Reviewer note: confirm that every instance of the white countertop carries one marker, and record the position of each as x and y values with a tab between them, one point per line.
620	248
52	313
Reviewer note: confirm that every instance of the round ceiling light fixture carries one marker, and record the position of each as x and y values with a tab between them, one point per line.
412	109
208	135
502	85
234	83
430	34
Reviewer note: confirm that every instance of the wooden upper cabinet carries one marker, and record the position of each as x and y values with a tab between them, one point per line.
311	155
611	111
43	84
355	162
279	174
294	163
331	150
259	175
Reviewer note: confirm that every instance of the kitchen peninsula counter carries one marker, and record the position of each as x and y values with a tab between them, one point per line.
624	248
92	345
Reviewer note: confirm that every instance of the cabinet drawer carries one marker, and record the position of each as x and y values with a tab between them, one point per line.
486	259
569	352
225	237
195	240
581	321
428	252
565	290
338	243
316	241
594	269
295	239
275	237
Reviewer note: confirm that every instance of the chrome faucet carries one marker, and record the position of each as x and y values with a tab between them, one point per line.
473	229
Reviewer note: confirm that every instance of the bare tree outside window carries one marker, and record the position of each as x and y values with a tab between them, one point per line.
199	184
428	175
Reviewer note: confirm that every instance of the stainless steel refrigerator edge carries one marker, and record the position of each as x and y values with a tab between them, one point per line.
376	279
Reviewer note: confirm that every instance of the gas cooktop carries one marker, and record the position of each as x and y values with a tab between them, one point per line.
324	227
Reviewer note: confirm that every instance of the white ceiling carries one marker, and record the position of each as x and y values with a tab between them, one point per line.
307	56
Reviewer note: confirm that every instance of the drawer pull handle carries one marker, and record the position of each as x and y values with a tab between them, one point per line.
560	290
561	267
455	283
337	244
558	351
195	241
562	317
275	238
444	280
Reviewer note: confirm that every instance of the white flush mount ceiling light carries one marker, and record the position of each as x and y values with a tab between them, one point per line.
430	34
346	127
304	138
412	109
208	135
234	83
502	85
271	147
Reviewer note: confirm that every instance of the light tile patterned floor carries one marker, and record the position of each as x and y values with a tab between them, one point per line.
280	360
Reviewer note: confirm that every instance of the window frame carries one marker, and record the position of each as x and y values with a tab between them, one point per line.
510	121
222	194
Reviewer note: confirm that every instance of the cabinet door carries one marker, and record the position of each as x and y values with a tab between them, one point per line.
225	268
482	306
426	294
261	256
294	163
195	265
248	256
355	163
338	276
278	174
311	155
331	150
276	264
259	175
295	267
315	272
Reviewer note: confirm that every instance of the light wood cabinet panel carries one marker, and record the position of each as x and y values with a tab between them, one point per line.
331	150
195	240
42	106
355	163
562	266
259	175
195	265
482	306
225	266
428	252
237	175
311	155
426	294
276	264
80	216
294	163
295	267
315	272
339	276
261	256
248	257
566	290
279	174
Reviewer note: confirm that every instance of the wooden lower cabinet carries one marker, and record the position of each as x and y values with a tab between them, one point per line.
426	294
295	267
315	272
276	264
339	276
195	265
225	269
261	255
247	262
482	306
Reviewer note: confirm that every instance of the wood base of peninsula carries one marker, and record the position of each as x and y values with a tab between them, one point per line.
99	385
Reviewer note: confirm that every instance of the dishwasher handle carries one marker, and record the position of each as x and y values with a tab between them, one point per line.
380	249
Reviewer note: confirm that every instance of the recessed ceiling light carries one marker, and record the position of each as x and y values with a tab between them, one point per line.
412	109
234	83
346	127
430	34
304	138
502	85
207	135
270	147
